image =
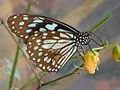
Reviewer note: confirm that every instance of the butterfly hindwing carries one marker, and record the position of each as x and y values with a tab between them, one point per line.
50	50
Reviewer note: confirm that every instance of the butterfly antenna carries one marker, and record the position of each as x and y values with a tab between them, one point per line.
96	42
98	39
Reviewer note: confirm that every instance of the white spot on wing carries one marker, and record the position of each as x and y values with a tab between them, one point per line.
45	34
38	21
32	25
20	27
14	17
43	37
48	60
58	66
35	48
53	32
38	41
45	59
46	54
40	53
36	34
71	35
38	60
56	70
29	43
21	23
26	37
51	27
53	69
63	40
42	29
40	50
49	69
32	54
13	22
47	46
40	65
60	45
28	30
62	30
53	63
43	67
33	37
21	35
25	18
13	27
33	59
29	51
50	41
64	35
56	37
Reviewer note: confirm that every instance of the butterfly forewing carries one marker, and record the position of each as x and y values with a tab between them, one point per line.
50	50
24	25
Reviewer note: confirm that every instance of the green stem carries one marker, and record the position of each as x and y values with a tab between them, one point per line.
30	82
14	67
101	48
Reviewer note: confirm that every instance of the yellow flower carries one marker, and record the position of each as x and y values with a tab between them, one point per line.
91	61
116	53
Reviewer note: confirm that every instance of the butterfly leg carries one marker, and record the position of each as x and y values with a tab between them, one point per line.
91	49
80	67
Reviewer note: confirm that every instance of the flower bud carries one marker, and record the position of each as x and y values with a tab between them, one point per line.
91	61
116	53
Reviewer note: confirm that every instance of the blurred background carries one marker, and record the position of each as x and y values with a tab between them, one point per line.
81	14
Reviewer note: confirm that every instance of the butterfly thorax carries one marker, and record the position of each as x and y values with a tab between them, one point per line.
82	39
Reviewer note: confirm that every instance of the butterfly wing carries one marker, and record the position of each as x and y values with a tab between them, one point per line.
50	50
25	25
50	43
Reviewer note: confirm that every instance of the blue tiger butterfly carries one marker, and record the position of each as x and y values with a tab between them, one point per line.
50	43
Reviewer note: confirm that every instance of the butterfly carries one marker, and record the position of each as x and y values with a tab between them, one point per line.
50	43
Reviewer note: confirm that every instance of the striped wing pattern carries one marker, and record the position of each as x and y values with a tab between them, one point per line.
50	50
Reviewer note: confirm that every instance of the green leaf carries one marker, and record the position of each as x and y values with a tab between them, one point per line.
100	23
29	6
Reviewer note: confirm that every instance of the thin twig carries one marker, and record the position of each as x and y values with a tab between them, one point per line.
60	78
2	22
